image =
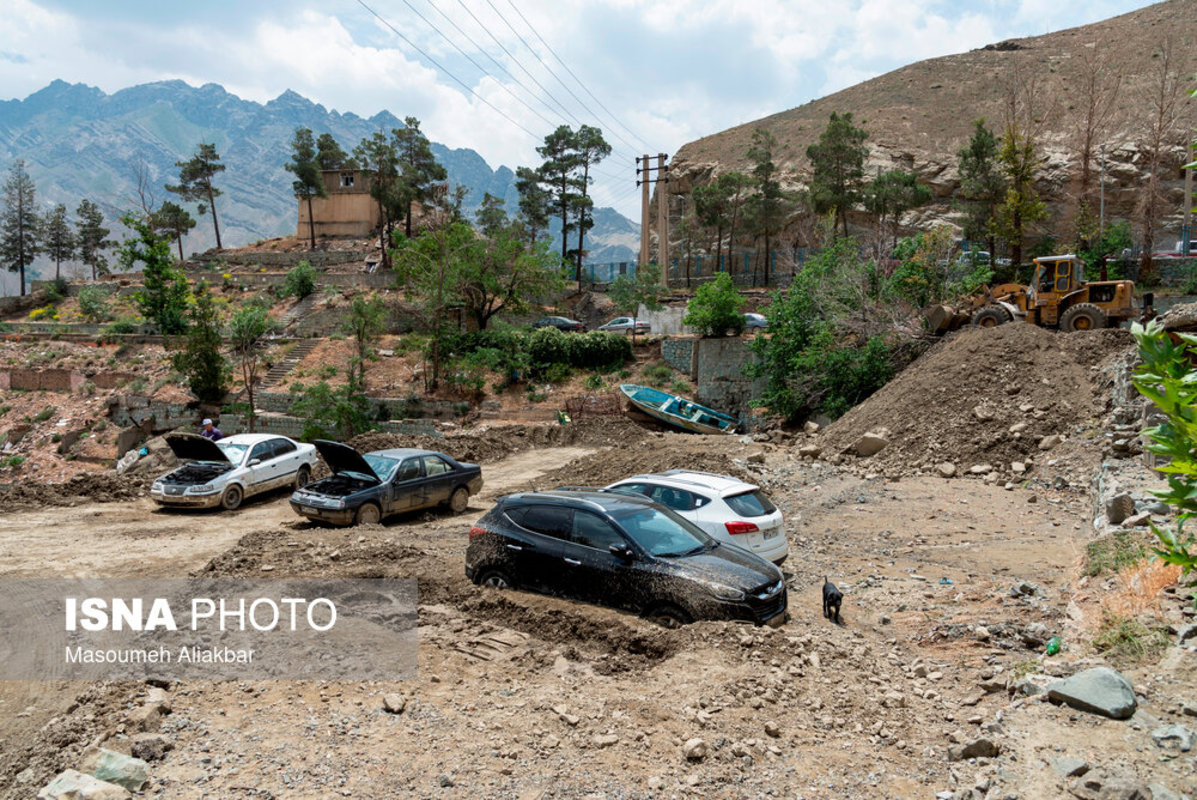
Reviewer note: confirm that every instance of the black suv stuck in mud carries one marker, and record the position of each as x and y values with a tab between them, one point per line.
623	551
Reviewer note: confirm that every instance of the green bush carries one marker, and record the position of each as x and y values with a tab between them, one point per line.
57	289
715	309
339	413
301	280
93	302
659	374
122	325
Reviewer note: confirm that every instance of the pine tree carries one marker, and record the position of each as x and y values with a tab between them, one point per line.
18	222
308	181
558	176
172	218
92	237
58	240
837	161
330	155
195	182
982	185
590	149
419	170
201	360
534	201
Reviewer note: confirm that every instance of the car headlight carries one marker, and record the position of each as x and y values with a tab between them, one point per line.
206	488
725	592
158	486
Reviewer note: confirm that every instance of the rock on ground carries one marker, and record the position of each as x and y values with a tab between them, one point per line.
1099	691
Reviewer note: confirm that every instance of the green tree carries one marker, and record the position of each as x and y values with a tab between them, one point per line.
377	153
329	154
366	321
890	195
93	237
418	168
172	218
718	205
504	274
589	148
491	217
200	359
1021	207
837	163
329	413
247	333
927	274
19	222
301	280
982	185
195	182
58	240
164	295
770	205
629	292
715	309
534	202
828	348
558	173
1165	378
308	181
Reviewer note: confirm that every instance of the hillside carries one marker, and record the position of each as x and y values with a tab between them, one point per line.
919	116
78	141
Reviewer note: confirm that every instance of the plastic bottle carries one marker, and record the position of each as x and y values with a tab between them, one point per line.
1053	646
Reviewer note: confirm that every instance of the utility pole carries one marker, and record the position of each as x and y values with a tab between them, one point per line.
1186	230
1101	182
642	166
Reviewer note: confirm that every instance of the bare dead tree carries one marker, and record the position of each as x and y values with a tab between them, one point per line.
1100	83
145	190
1160	131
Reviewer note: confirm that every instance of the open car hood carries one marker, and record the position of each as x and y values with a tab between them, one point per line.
343	458
193	447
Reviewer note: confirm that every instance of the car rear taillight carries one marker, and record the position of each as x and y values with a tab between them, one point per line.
475	532
735	528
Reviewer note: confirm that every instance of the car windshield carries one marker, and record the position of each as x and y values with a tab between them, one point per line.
750	504
381	465
663	533
235	453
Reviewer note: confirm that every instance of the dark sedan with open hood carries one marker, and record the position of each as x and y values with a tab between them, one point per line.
367	487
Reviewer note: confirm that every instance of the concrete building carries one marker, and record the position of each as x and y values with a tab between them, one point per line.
347	211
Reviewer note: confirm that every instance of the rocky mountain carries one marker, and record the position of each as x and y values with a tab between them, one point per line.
79	142
919	116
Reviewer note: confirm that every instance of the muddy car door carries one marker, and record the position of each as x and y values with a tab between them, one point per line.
591	571
536	560
260	468
404	492
437	482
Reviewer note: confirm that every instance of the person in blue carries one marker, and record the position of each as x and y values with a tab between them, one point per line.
210	431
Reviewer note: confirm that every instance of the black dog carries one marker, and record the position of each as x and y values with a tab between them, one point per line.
832	597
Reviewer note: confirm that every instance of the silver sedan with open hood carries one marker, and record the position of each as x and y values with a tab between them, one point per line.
225	472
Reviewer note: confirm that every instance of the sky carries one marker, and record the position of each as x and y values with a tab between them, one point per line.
498	75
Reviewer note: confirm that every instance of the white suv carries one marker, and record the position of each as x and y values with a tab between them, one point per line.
726	508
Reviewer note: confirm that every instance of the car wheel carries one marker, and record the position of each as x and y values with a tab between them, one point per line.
232	498
669	616
495	579
303	477
368	514
459	500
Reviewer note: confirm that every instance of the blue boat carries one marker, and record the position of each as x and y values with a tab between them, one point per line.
678	411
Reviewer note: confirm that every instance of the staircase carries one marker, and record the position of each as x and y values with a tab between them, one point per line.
297	311
279	371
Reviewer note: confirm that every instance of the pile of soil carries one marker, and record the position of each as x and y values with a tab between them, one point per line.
495	444
964	401
95	487
607	467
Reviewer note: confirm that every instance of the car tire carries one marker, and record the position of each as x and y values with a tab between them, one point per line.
495	579
303	477
232	497
368	514
459	501
670	616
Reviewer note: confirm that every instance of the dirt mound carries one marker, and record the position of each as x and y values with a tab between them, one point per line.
96	487
606	467
495	444
985	396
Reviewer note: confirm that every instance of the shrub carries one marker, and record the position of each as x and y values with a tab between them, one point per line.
57	289
715	309
93	303
1112	553
43	415
122	325
301	280
1127	640
659	374
12	461
338	413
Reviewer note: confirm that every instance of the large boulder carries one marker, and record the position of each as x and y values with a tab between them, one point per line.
74	785
871	443
1100	690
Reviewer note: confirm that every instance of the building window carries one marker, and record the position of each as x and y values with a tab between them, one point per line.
346	180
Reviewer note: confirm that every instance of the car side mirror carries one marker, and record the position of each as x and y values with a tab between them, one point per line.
253	462
621	551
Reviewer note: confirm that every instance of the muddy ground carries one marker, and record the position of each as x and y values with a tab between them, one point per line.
522	696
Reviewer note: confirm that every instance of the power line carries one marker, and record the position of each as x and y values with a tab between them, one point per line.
437	64
470	58
575	77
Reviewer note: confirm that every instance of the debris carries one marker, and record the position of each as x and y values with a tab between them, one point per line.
1100	690
74	785
694	749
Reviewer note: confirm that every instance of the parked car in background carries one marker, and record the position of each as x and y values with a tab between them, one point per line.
626	324
560	323
623	551
726	508
227	471
755	322
367	487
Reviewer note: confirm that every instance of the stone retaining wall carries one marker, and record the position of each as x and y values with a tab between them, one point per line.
285	425
60	380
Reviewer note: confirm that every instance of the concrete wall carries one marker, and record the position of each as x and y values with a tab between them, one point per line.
719	375
667	321
293	426
60	380
340	214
